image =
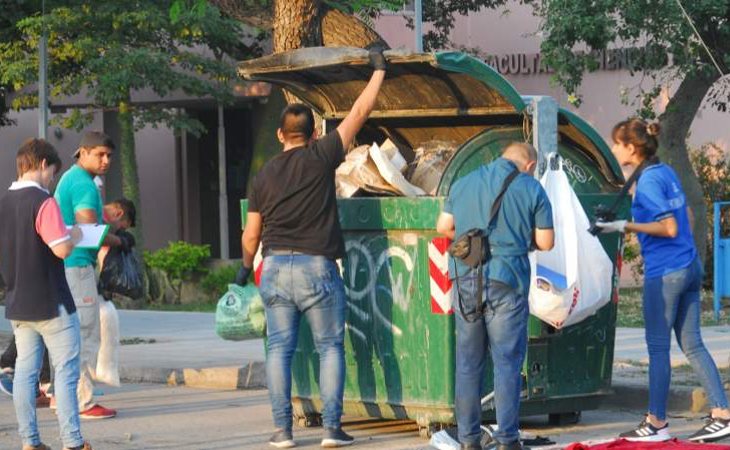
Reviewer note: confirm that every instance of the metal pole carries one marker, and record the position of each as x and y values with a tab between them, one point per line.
718	269
418	25
43	88
222	185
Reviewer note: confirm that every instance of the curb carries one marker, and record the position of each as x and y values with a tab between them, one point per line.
636	396
251	376
627	394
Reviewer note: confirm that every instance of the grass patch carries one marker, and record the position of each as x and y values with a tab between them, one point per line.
630	310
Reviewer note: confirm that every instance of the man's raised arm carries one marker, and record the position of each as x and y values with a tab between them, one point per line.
351	124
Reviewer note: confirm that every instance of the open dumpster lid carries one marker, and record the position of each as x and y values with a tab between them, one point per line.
444	84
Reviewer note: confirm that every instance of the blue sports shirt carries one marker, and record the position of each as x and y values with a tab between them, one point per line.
659	195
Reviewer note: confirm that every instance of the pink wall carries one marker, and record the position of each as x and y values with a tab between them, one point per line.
496	32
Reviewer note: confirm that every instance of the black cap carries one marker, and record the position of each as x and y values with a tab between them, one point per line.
93	139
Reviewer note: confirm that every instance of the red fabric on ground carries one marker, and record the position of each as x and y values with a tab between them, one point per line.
623	444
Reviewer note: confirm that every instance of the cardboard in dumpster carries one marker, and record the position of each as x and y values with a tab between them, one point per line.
358	173
391	173
371	169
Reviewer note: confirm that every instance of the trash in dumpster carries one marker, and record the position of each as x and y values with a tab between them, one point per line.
382	170
391	173
429	164
358	174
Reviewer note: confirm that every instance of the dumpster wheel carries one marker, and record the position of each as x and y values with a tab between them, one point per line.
565	418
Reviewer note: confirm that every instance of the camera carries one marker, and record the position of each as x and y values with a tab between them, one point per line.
602	214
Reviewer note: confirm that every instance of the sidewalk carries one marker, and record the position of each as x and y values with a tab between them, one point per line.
181	348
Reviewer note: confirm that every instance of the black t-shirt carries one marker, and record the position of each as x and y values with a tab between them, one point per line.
295	194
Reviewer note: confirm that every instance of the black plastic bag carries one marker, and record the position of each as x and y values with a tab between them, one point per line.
122	274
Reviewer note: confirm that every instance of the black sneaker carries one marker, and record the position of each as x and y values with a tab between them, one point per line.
335	437
647	432
714	430
282	439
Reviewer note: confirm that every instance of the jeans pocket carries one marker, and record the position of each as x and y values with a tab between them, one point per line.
268	284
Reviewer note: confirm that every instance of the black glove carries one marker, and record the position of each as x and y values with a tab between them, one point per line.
242	276
377	60
126	242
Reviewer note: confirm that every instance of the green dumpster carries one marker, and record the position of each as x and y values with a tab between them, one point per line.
399	348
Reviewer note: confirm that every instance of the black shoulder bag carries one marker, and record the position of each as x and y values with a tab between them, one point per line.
472	249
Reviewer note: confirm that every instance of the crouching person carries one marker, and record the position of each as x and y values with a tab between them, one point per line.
33	243
491	300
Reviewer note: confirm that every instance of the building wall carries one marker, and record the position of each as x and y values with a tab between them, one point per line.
499	33
156	151
11	137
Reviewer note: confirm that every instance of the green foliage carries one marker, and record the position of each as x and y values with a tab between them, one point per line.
441	15
712	167
179	260
217	280
657	28
364	7
110	49
632	257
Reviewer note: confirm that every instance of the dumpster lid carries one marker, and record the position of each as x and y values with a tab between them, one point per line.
443	84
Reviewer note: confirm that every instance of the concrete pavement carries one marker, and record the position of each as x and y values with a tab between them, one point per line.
181	348
154	417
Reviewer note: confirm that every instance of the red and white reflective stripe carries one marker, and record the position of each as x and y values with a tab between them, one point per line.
258	264
438	268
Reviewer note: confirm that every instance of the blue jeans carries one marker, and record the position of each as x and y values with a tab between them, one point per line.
673	302
502	330
62	338
293	286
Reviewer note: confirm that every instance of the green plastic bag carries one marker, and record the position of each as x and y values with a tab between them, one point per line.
240	314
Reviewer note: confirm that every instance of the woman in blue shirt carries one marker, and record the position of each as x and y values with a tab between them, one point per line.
672	280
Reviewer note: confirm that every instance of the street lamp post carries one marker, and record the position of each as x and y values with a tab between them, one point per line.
43	88
418	25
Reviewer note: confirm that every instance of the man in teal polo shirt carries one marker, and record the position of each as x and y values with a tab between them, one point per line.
80	202
524	222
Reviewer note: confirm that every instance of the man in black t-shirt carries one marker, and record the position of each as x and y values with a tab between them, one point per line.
292	211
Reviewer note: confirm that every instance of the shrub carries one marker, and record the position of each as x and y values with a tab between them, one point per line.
179	260
217	280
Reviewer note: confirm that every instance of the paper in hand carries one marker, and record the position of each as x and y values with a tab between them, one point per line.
91	235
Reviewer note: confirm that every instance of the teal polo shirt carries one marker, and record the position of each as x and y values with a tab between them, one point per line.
76	190
525	206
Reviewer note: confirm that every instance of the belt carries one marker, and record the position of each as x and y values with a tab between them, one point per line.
282	253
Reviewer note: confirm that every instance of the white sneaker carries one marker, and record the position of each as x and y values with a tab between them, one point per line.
647	432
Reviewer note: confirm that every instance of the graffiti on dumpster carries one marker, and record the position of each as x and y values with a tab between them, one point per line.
372	268
576	172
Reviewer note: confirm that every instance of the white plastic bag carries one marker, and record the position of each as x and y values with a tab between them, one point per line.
573	280
107	363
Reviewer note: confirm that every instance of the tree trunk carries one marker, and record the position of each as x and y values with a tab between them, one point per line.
128	159
296	24
337	28
675	122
